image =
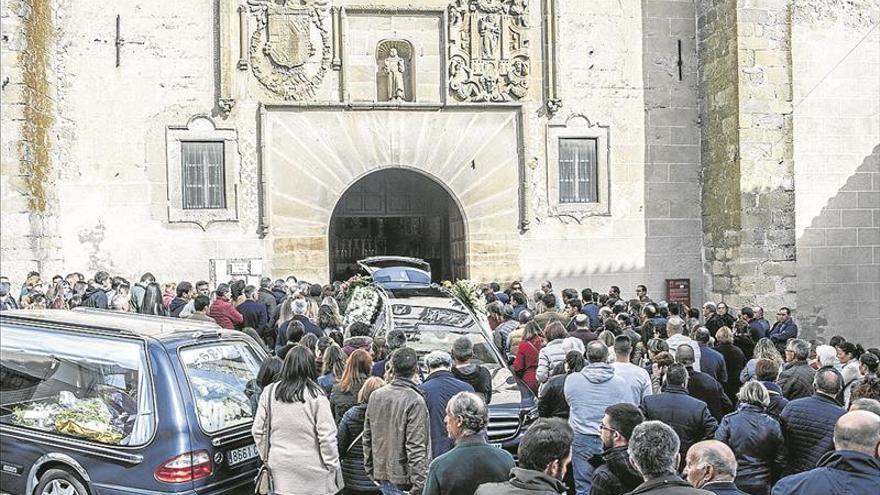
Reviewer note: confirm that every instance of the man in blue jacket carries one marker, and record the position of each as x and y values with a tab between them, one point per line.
808	423
439	386
853	467
785	328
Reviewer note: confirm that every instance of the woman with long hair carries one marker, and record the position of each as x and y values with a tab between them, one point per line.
344	393
351	451
329	319
333	367
764	349
525	365
297	439
152	304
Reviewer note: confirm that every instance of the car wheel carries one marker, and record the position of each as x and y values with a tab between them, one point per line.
60	482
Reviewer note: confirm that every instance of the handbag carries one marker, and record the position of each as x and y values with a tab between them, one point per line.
264	484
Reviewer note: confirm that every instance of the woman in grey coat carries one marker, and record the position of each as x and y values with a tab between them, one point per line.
295	432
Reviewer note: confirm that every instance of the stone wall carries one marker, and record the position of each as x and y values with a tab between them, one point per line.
28	169
836	63
719	140
748	197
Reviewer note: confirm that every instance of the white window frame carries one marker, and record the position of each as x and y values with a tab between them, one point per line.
201	128
579	127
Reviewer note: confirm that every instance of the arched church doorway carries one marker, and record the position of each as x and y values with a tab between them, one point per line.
397	212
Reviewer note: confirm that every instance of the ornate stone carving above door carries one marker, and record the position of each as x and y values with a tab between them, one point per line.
488	50
290	48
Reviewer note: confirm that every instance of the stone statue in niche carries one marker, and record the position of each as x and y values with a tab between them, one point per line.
489	31
396	71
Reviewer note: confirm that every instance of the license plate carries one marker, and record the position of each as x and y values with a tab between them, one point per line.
241	454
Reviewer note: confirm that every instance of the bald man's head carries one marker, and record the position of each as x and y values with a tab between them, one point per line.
858	431
685	355
709	460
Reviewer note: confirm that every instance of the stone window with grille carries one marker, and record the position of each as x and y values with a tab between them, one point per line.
577	168
202	175
201	161
578	176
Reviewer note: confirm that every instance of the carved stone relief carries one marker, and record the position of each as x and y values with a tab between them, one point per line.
488	50
396	71
291	46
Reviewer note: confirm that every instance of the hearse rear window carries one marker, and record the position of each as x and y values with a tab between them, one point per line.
218	375
85	386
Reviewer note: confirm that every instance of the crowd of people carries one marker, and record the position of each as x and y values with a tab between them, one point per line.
633	396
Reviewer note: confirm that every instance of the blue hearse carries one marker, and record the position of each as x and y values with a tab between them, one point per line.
100	403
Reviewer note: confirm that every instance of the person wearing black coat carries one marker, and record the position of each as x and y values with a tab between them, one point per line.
349	433
756	440
552	403
689	417
734	361
808	423
796	379
474	374
614	472
702	386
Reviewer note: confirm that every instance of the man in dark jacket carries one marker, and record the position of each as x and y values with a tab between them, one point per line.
439	386
397	439
702	386
712	319
711	465
689	417
185	292
544	454
785	328
300	307
808	423
254	314
796	379
654	450
473	461
614	472
711	361
854	466
265	295
474	374
96	294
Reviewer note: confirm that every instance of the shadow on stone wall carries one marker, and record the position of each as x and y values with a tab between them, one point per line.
838	262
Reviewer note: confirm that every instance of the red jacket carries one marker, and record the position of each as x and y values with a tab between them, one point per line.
225	314
526	363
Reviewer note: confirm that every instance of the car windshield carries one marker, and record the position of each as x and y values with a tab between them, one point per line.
436	329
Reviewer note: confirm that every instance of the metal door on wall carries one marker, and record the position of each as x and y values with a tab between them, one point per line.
397	212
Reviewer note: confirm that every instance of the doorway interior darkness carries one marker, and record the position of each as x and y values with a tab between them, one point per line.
397	212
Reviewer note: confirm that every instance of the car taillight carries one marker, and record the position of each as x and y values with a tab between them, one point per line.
185	467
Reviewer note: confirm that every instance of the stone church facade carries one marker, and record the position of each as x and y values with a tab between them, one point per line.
733	144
